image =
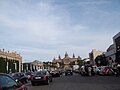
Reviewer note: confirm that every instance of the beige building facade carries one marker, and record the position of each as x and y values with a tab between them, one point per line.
93	54
12	56
36	65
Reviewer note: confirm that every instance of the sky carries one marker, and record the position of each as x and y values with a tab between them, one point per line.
43	29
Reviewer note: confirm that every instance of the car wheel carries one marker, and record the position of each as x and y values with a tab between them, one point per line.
51	80
48	82
33	84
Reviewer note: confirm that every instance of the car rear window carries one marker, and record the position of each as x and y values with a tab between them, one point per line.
28	73
40	73
68	70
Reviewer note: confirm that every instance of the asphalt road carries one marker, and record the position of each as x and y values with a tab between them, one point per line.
77	82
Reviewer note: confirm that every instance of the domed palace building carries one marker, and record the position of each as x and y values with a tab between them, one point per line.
67	61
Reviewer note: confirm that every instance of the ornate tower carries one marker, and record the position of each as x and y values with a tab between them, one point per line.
66	55
73	55
59	57
54	58
79	58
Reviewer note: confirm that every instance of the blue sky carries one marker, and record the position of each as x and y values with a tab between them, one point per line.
43	29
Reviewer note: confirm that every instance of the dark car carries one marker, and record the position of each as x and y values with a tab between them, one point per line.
87	70
62	72
29	75
68	72
41	77
8	83
76	71
55	73
20	77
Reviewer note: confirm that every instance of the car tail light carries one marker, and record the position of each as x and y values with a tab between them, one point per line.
45	77
31	78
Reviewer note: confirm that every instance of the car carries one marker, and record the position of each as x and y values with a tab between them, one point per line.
20	77
82	70
87	70
55	73
29	75
62	72
68	72
106	71
41	77
98	70
76	71
8	83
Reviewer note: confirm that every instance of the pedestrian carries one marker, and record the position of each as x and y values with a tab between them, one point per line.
94	70
89	71
115	69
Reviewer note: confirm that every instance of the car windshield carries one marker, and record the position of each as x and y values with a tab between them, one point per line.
68	70
16	75
7	82
55	71
40	73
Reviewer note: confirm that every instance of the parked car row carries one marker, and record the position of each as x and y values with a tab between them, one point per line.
102	70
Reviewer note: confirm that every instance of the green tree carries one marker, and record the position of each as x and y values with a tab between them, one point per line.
101	60
2	65
80	62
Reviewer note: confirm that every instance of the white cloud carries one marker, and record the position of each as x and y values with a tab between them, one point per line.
43	30
98	2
